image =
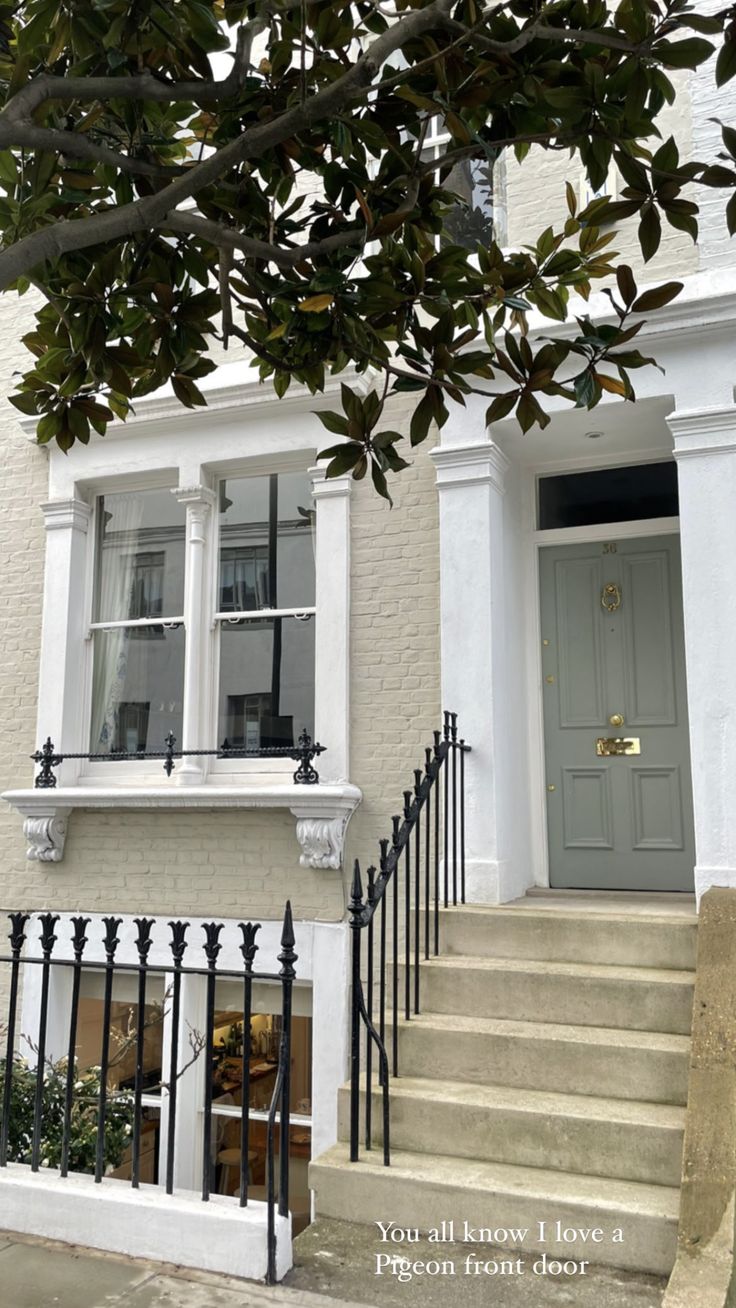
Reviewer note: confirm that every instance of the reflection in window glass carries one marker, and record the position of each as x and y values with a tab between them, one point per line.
139	568
138	669
266	682
227	1100
123	1033
137	688
266	554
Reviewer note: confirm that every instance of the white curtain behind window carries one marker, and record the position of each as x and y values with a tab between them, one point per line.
115	564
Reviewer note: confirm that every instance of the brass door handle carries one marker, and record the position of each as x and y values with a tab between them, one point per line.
616	719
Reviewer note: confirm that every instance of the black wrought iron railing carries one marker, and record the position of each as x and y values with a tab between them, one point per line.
48	758
21	1141
421	869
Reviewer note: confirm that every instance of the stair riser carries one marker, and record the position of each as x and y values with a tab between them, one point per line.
648	1244
627	1152
569	1067
570	1000
547	937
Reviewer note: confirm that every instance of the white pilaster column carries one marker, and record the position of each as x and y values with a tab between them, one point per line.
61	691
476	668
197	608
332	636
705	449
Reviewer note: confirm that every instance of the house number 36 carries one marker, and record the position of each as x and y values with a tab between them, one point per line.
610	548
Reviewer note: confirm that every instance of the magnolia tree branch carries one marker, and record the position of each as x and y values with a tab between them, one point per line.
22	135
157	210
151	211
229	238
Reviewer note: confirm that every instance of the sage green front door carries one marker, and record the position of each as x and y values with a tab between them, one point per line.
619	802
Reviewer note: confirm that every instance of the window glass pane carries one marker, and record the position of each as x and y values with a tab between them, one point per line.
139	569
266	552
471	222
122	1037
227	1100
266	682
581	499
137	686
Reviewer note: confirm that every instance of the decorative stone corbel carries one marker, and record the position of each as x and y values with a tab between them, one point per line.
322	818
322	812
46	836
322	840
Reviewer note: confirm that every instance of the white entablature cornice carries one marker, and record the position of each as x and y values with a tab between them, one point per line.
475	464
699	432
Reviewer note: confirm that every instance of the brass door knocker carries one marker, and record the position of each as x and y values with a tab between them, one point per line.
611	597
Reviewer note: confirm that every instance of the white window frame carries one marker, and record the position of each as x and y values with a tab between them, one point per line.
235	768
245	430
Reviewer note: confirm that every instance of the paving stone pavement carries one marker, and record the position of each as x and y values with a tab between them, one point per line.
338	1259
334	1263
43	1274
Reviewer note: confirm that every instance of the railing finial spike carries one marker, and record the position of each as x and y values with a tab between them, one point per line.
288	957
356	889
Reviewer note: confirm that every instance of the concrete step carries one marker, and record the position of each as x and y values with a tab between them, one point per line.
584	994
531	1128
585	1060
571	936
422	1190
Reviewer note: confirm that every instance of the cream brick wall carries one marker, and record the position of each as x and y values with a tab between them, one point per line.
237	862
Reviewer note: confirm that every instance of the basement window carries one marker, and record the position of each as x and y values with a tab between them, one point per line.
629	494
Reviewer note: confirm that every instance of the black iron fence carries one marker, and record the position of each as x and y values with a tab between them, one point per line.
424	864
48	758
31	1138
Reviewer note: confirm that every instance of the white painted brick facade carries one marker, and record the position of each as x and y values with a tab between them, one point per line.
245	862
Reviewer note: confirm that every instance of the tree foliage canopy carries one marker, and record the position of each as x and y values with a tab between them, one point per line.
171	169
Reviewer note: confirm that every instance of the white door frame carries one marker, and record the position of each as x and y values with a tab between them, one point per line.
535	541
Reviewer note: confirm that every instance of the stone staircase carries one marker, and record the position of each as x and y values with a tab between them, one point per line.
544	1081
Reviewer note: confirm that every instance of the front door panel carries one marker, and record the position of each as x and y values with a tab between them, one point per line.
619	801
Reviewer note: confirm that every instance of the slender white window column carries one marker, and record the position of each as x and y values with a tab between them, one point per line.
477	671
61	691
332	637
199	501
705	449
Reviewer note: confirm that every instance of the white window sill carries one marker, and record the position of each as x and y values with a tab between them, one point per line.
322	812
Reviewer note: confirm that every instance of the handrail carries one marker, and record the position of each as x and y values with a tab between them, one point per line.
433	856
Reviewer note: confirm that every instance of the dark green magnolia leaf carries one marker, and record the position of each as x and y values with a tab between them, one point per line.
421	420
380	483
585	388
25	402
683	54
626	284
726	61
334	422
650	233
657	297
731	215
344	458
501	407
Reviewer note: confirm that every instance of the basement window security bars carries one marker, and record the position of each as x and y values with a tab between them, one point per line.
277	1196
423	863
303	753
